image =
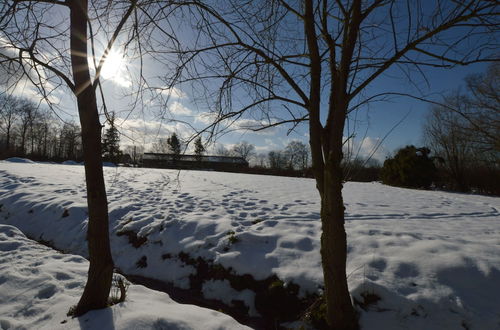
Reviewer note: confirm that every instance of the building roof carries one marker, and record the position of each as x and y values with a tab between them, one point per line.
194	158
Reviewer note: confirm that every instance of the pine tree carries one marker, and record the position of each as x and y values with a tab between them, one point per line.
111	142
174	145
199	149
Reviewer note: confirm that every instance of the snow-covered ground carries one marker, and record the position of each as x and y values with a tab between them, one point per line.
433	257
38	285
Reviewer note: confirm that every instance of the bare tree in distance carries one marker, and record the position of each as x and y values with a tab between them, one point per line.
221	150
288	62
481	110
277	160
135	153
463	128
298	155
9	112
160	146
243	149
445	136
261	160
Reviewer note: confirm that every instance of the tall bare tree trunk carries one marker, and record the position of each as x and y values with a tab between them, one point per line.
326	155
340	312
96	292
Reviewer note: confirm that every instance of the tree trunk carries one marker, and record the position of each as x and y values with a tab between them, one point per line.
23	140
96	292
8	138
340	312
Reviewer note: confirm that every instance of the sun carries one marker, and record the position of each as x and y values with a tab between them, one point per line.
113	65
114	68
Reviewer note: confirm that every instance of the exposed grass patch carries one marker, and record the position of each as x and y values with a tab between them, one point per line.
119	288
118	294
232	239
275	300
369	299
142	263
133	238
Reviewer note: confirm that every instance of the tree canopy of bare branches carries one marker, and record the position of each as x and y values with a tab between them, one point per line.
45	42
287	62
464	128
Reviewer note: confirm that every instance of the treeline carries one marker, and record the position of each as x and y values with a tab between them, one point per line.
462	134
294	161
27	130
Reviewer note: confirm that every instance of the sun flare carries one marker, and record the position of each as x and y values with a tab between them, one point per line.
114	65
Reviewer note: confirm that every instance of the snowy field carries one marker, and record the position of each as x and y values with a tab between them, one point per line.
432	257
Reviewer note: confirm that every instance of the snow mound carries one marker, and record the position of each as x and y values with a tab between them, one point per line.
109	164
51	282
19	160
70	162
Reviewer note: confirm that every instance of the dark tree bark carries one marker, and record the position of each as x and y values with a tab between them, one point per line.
100	273
326	152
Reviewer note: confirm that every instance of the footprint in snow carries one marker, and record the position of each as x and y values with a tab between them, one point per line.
48	291
62	276
406	270
378	264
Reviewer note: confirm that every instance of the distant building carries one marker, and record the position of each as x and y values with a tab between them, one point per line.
218	163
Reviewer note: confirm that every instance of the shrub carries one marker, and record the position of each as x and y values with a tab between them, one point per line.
411	167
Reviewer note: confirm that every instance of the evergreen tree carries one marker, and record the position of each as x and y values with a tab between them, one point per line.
174	145
199	149
111	142
411	167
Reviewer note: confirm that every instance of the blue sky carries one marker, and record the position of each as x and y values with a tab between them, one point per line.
145	121
143	126
376	120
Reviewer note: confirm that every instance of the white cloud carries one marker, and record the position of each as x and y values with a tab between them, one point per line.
173	92
177	108
263	149
251	124
205	118
367	147
272	145
123	81
146	132
239	125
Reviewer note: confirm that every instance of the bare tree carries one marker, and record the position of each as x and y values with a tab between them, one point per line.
244	150
27	116
9	112
160	146
220	150
464	128
260	160
70	141
277	160
135	153
287	62
297	154
449	142
481	110
54	54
